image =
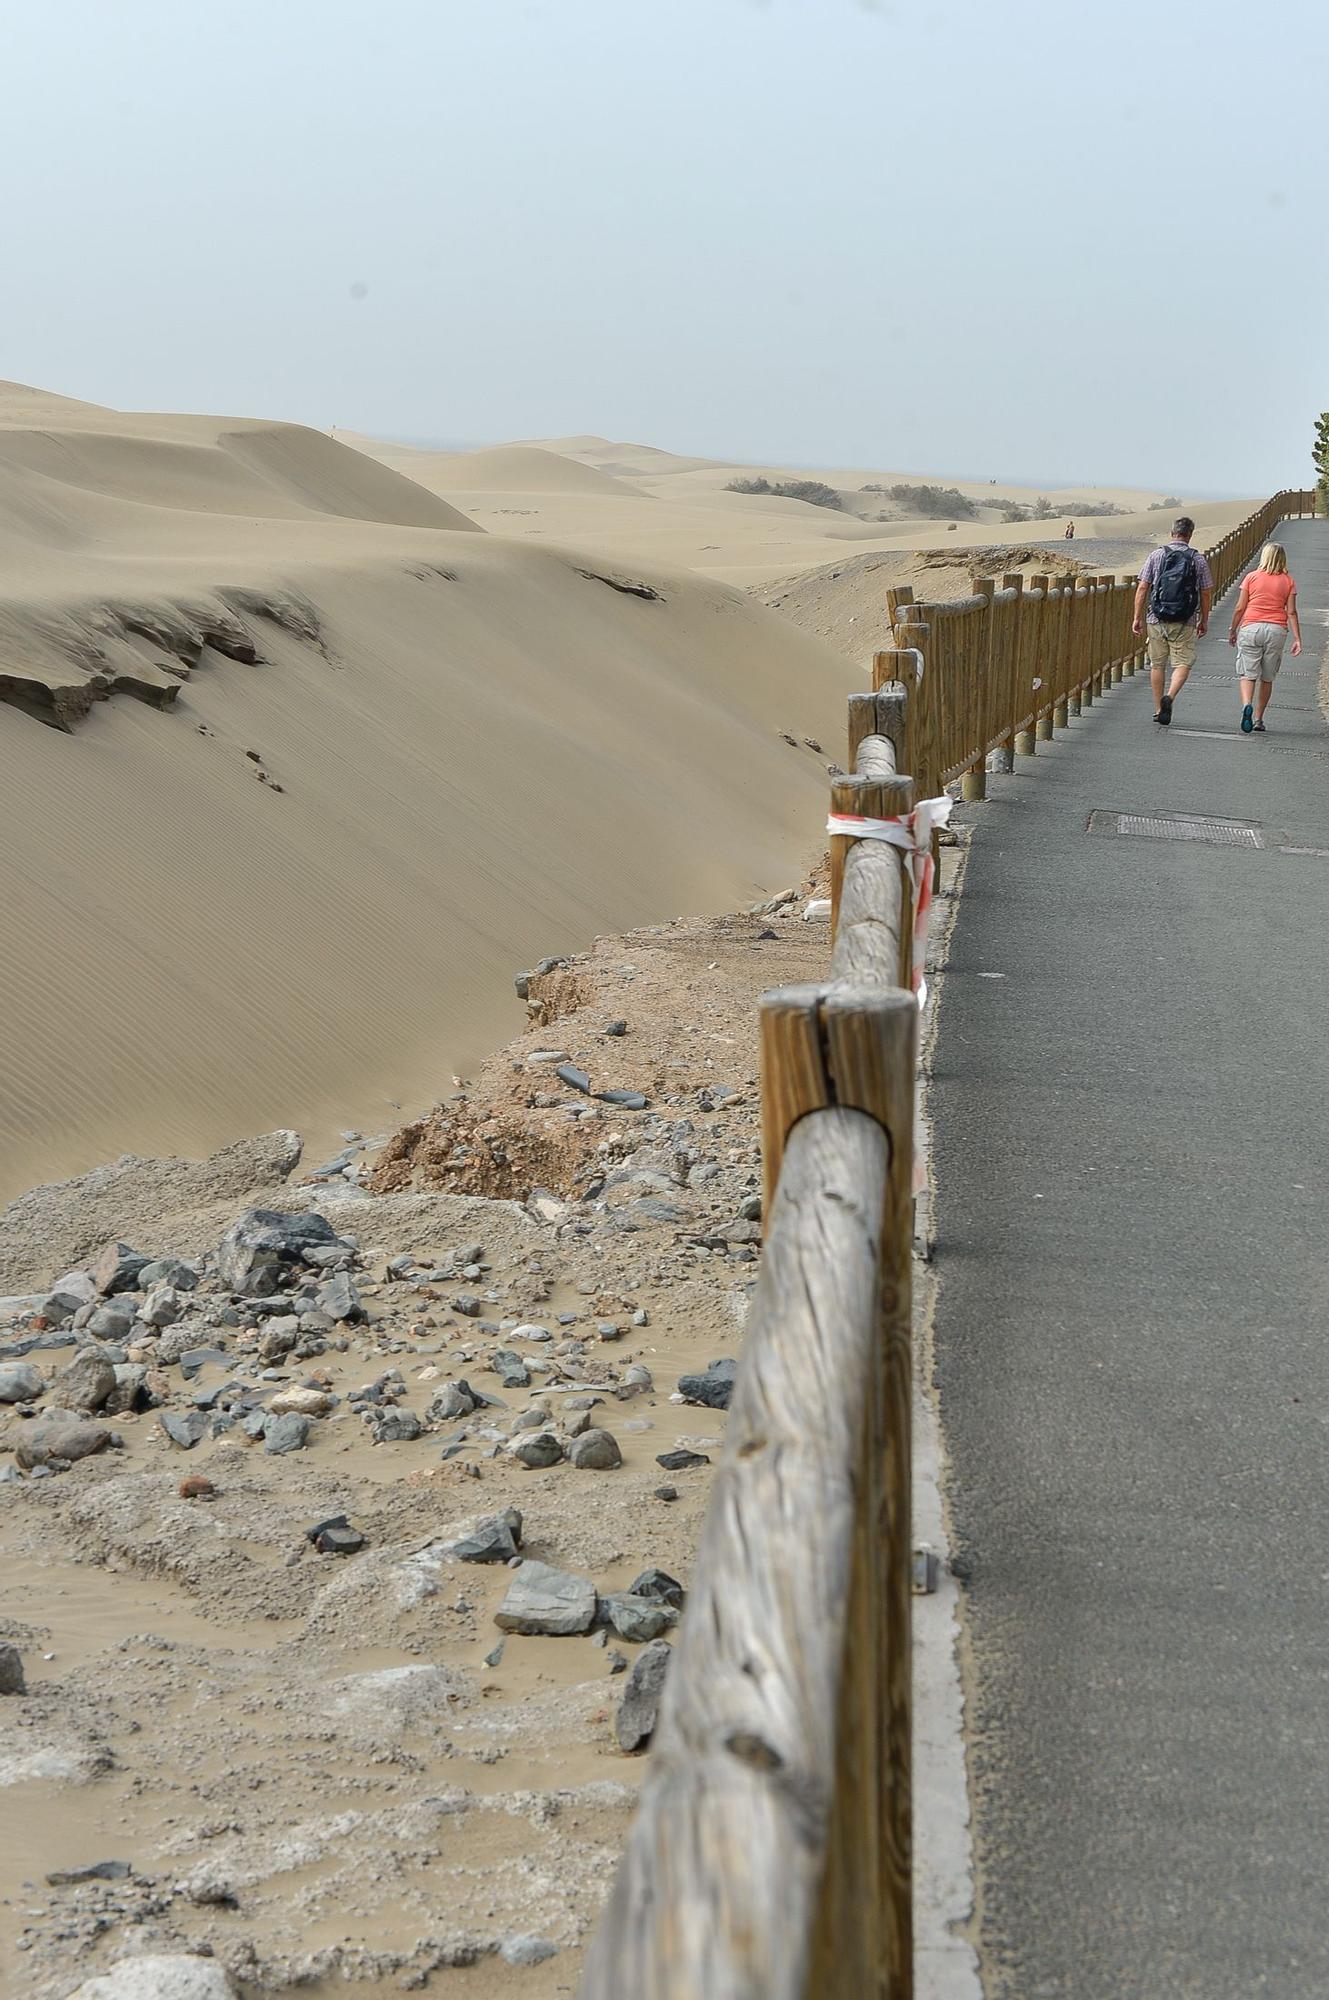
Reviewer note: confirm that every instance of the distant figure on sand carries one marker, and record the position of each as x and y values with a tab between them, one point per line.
1265	609
1070	531
1178	588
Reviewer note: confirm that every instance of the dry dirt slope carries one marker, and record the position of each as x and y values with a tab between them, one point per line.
398	759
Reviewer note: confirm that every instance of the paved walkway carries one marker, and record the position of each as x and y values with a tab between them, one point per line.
1132	1149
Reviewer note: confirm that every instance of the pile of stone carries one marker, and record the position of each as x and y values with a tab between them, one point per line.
280	1282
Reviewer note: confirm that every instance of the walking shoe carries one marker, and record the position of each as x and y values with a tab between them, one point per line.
1246	723
1260	727
1164	711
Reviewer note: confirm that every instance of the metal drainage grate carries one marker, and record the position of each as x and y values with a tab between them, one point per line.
1178	826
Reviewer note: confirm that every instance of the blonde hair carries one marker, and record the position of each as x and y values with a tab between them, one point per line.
1273	557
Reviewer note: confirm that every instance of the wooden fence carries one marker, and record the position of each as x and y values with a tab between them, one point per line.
770	1857
1009	666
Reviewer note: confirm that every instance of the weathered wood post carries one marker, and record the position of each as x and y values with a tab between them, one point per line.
973	782
856	1046
1001	757
1042	660
1057	654
1025	739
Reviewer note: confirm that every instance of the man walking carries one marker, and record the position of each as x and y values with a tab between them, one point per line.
1178	588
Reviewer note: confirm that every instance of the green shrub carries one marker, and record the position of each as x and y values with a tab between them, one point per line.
937	503
814	491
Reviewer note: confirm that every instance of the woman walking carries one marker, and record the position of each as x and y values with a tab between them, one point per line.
1264	611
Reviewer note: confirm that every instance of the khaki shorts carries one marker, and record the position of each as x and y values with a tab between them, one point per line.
1260	651
1172	642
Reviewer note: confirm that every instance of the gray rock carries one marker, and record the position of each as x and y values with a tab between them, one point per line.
162	1306
750	1208
279	1336
11	1671
58	1308
528	1331
453	1400
659	1587
538	1450
616	1027
495	1539
184	1428
542	1599
335	1537
714	1389
183	1338
618	1662
638	1618
681	1460
626	1100
511	1370
195	1358
161	1976
341	1541
339	1299
20	1382
637	1376
595	1451
131	1390
635	1723
468	1305
526	1950
262	1244
575	1078
395	1426
66	1438
283	1434
78	1285
85	1382
113	1321
92	1871
171	1271
117	1268
654	1208
608	1329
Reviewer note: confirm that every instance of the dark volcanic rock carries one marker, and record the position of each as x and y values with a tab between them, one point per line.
263	1244
635	1722
184	1427
714	1389
117	1269
495	1539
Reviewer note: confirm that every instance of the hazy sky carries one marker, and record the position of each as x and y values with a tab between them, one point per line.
1027	240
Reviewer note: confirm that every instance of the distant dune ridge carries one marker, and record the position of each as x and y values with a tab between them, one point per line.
329	765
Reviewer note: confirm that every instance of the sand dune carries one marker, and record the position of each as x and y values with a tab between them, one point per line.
509	468
660	506
377	761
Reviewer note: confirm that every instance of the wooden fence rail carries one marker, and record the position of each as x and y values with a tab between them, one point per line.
770	1856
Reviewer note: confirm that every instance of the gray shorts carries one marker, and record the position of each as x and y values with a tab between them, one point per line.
1260	651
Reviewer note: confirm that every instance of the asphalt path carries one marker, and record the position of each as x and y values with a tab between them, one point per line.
1132	1156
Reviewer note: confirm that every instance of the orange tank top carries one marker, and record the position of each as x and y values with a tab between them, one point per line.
1267	598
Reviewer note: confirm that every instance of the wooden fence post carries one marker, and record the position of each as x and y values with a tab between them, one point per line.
1042	660
973	782
1057	653
857	1047
1024	739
